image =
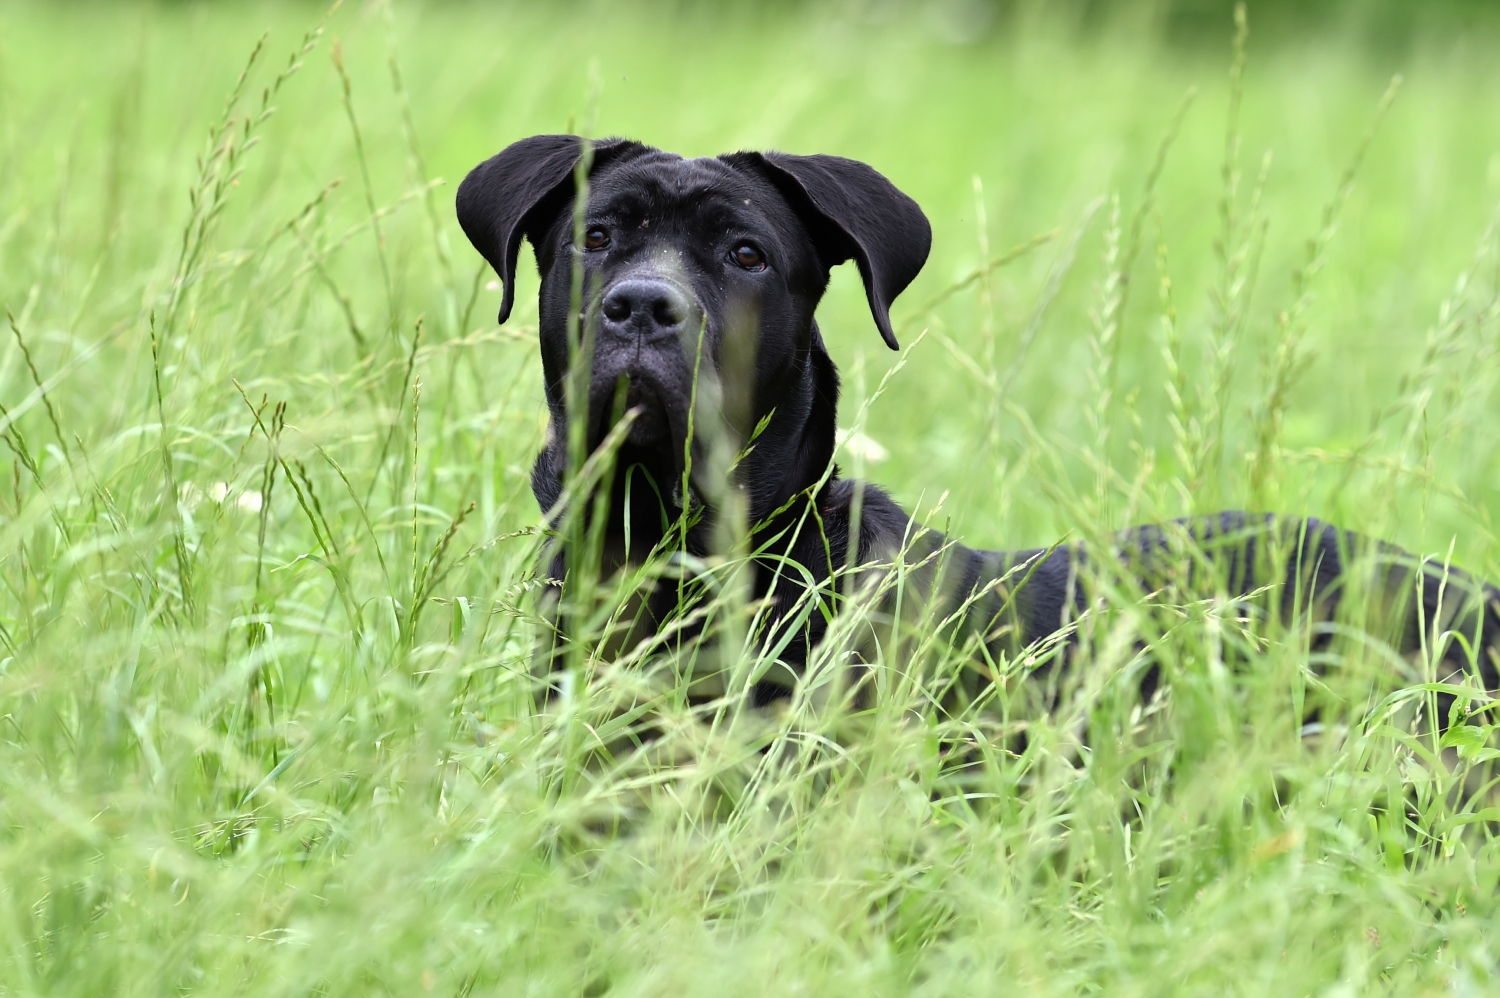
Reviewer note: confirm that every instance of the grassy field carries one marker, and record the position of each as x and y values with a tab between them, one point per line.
269	554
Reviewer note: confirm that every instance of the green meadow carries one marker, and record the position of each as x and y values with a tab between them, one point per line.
270	562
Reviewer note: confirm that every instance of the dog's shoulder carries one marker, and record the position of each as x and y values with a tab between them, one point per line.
883	525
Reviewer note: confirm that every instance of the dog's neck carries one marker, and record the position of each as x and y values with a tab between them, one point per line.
792	457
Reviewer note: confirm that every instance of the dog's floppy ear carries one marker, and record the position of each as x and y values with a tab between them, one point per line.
498	203
853	212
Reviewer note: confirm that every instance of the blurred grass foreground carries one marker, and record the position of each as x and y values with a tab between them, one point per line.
269	555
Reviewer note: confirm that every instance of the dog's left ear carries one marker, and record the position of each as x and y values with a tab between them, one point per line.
853	212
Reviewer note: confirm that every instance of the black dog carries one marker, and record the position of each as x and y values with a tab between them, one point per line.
712	268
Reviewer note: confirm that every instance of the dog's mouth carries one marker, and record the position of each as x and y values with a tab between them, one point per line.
652	425
654	428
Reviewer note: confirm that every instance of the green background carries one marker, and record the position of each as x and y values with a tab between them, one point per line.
234	758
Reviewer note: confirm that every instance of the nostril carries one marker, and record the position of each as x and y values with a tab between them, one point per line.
668	311
617	308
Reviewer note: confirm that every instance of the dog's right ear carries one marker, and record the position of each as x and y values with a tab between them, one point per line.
505	197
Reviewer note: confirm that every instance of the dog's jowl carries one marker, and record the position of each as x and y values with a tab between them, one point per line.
702	276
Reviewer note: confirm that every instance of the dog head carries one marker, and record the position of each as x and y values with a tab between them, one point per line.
693	270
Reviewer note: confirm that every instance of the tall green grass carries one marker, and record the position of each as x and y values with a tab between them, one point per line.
271	561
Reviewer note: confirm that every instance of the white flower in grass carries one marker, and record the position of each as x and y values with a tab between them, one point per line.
858	444
248	501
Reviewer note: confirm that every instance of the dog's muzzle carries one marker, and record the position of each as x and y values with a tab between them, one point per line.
644	323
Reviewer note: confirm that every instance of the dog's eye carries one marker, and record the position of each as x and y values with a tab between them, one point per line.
749	257
595	239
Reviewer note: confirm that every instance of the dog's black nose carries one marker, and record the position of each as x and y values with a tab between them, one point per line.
644	308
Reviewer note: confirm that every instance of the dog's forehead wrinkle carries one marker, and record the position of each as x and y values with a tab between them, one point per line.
646	192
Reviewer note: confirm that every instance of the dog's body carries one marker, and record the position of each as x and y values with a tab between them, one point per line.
710	270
